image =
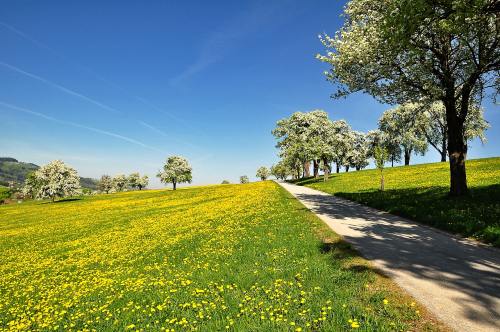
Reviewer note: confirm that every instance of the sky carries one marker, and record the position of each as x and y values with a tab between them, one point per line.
118	86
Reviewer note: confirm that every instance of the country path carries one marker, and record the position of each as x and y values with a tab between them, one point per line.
456	279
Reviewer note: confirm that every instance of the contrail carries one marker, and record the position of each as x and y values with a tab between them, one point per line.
59	87
54	52
76	94
73	124
100	78
93	73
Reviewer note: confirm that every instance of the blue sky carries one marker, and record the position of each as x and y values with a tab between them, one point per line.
115	87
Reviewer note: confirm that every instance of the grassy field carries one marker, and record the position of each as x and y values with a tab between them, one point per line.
231	257
420	192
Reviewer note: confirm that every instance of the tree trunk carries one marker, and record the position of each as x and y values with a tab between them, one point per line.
443	156
407	156
347	169
338	167
443	149
316	168
457	152
382	184
327	170
358	168
307	172
175	185
392	161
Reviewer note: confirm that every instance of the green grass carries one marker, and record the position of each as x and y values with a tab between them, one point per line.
420	192
232	257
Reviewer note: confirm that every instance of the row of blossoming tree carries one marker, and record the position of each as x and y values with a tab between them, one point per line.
58	180
311	138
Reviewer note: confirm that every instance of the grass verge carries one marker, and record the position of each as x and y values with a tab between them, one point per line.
420	192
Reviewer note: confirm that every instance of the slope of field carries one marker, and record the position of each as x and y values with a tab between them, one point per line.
420	192
233	257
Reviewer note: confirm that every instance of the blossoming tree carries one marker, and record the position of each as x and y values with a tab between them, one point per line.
176	170
119	182
263	173
54	180
420	51
105	184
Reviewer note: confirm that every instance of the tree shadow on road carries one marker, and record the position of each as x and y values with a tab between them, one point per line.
421	251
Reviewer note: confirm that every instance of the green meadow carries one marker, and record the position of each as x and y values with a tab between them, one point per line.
229	257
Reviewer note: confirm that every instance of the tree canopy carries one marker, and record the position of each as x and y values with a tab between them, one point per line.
401	126
263	173
176	170
403	51
105	184
120	182
56	179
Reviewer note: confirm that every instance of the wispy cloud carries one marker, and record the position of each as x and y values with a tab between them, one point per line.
223	40
55	53
97	76
59	87
77	125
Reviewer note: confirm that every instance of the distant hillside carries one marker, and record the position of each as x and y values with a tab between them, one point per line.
13	170
88	183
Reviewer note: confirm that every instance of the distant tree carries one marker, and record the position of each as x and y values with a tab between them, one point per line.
31	185
119	182
244	179
56	179
133	180
420	50
401	126
105	184
346	150
292	157
176	170
263	173
434	128
143	182
342	143
281	170
295	136
360	151
376	138
380	157
225	182
136	181
320	140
